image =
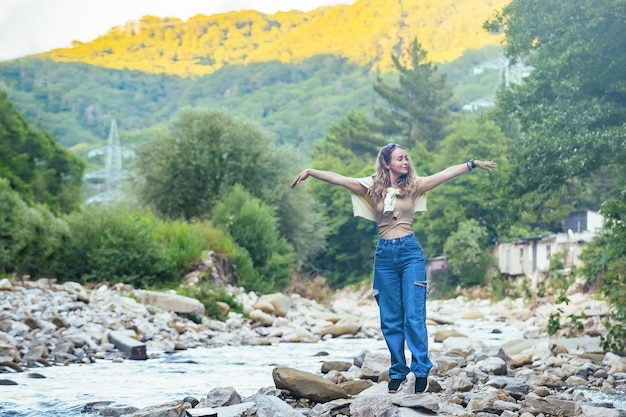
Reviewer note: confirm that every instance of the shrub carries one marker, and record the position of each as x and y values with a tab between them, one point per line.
209	295
253	227
604	266
30	237
465	253
118	244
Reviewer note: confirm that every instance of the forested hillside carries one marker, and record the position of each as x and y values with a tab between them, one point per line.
365	33
295	102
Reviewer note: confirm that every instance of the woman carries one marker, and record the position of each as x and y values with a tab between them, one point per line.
390	197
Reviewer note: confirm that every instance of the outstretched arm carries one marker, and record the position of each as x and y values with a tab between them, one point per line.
431	181
330	177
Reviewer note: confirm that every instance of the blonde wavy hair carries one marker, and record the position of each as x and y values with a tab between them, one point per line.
408	183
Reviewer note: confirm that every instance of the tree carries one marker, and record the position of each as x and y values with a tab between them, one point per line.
474	195
253	226
572	108
418	110
604	266
206	152
466	253
350	148
36	166
571	112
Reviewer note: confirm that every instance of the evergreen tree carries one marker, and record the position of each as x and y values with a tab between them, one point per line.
418	111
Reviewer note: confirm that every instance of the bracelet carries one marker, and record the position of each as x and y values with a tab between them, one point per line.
472	164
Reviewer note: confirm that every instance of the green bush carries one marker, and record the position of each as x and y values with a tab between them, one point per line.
118	244
30	237
605	266
209	295
253	227
465	252
11	209
184	242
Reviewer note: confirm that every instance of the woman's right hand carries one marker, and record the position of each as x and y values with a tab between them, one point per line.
301	177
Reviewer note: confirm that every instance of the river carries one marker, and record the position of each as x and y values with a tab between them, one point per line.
65	390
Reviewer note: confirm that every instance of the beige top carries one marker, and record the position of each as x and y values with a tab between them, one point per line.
393	212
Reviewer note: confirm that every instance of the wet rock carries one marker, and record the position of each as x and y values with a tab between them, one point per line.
108	408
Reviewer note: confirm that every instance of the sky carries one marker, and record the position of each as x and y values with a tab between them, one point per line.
33	26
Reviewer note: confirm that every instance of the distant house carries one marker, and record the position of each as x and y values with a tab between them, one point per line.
479	104
583	221
436	265
531	256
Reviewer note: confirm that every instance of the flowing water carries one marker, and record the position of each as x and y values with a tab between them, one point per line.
65	390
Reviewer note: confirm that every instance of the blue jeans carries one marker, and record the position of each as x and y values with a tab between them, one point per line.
400	289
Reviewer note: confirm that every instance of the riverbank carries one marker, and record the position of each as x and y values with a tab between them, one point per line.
486	354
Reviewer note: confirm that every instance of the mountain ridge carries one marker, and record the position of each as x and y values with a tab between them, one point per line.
366	32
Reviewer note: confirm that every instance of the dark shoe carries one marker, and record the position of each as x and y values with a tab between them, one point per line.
421	382
394	384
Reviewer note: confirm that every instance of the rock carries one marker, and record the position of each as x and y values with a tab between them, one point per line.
484	399
109	408
373	402
472	314
131	347
445	363
279	302
265	307
335	365
220	397
615	362
490	353
589	410
7	382
270	406
459	383
418	402
345	326
170	301
302	384
549	405
172	409
493	365
355	387
575	380
546	379
463	344
442	335
224	308
261	317
374	365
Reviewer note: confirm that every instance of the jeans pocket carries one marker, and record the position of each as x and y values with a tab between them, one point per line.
411	245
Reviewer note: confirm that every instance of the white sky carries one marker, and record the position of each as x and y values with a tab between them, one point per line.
33	26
